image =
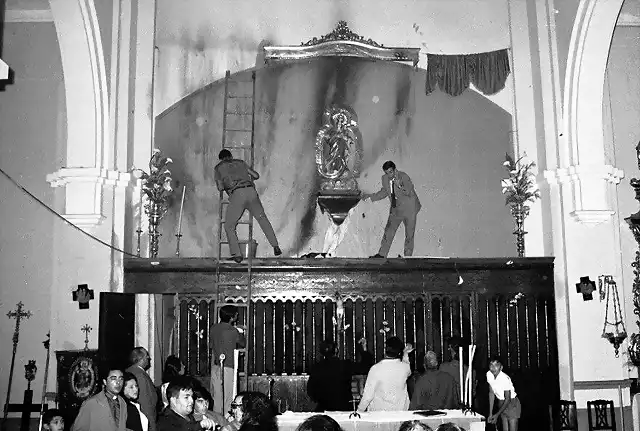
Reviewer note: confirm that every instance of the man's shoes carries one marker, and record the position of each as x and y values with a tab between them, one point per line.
376	256
277	251
236	259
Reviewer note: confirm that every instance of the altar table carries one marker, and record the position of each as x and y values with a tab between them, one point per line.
386	421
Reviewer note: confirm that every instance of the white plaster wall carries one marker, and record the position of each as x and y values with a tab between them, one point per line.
199	40
32	131
622	133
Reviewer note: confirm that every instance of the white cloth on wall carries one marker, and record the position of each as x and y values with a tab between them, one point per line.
335	234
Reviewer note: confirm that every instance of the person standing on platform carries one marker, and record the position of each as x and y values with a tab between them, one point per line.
236	178
224	338
147	393
501	388
386	386
405	206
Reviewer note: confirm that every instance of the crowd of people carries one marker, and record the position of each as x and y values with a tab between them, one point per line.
392	386
131	401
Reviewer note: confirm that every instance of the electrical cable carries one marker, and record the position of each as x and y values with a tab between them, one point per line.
51	210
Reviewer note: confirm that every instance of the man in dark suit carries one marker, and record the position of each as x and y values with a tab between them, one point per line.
434	389
179	415
106	410
405	205
147	394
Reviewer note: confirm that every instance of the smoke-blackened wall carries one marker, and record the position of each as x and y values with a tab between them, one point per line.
452	148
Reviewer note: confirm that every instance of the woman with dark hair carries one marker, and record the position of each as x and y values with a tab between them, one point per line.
136	420
449	426
320	423
414	426
258	414
386	386
172	367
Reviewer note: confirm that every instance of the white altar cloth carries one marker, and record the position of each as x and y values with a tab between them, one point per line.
386	421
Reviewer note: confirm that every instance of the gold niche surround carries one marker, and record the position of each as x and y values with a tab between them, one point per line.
338	149
338	143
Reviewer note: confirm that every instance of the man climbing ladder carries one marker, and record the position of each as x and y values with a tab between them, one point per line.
236	178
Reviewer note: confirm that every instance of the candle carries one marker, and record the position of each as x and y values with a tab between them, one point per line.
140	208
472	353
181	208
461	373
469	376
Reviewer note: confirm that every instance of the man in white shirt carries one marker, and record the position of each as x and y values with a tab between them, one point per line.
386	386
501	387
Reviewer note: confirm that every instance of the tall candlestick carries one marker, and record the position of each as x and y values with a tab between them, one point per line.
460	361
179	233
139	230
181	208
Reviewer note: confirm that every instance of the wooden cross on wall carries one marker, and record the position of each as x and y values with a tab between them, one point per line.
83	295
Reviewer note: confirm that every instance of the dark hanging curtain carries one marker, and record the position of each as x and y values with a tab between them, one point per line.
488	71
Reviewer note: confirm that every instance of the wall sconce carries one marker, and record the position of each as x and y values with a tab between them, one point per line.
603	282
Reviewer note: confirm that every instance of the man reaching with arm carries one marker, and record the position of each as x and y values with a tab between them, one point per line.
236	178
405	205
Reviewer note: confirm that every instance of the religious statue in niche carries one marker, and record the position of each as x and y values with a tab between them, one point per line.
83	295
338	162
339	151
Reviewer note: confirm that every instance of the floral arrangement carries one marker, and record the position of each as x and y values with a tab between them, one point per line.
520	187
156	184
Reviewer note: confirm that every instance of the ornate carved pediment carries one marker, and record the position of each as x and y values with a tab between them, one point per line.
341	42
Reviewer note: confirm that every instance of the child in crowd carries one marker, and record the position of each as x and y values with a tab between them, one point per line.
53	420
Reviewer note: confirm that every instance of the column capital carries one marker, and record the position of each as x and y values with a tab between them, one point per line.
84	189
589	185
101	176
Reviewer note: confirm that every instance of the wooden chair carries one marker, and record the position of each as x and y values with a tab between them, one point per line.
601	415
563	415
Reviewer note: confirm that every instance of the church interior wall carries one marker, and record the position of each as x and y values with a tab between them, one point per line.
195	48
621	111
32	127
199	40
452	148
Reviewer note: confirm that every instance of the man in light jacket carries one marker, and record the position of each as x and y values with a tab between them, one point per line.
404	207
106	410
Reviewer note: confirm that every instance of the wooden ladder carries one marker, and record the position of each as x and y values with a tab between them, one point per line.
238	124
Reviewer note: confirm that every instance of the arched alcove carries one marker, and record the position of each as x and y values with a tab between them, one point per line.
452	147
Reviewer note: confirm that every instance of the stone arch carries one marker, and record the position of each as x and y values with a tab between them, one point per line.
583	154
85	77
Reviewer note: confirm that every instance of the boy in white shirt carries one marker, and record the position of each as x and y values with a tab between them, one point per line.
501	387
